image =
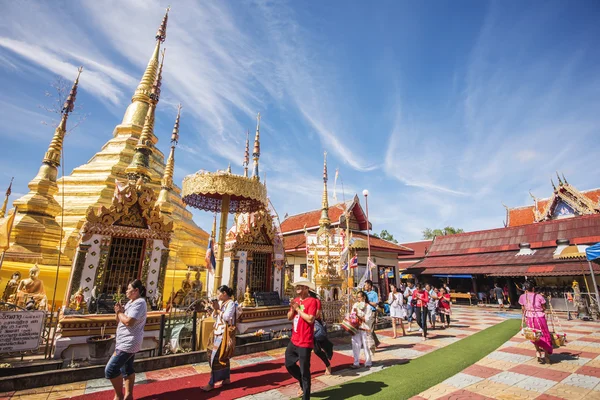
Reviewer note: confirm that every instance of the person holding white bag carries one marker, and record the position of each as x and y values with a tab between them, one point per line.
397	310
362	338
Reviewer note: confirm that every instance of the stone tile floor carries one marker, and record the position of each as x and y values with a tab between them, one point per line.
511	372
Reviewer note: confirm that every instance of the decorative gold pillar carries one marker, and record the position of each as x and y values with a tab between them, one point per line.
222	233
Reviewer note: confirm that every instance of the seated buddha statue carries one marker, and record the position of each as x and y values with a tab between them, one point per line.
186	288
197	286
32	288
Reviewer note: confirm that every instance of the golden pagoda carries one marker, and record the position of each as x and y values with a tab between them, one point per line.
94	184
325	248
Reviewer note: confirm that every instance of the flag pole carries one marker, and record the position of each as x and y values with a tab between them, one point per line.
366	194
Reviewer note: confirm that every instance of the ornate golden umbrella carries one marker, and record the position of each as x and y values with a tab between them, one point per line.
226	193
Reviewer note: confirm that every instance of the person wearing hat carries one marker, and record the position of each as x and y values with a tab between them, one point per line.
297	355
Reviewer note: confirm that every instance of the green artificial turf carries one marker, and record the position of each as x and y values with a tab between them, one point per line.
406	380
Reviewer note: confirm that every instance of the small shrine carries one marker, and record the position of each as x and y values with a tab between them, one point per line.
324	251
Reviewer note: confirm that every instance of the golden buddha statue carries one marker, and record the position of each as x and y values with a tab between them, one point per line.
11	288
248	300
32	288
180	297
197	286
78	303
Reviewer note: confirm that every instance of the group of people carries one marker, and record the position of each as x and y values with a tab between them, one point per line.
420	303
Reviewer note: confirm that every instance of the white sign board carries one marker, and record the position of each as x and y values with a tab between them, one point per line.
20	330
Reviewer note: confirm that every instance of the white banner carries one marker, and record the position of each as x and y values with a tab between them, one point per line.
20	330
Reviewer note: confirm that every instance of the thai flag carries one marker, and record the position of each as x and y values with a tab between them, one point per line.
345	267
354	262
210	256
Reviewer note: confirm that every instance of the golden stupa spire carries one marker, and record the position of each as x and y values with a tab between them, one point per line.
6	196
144	89
247	154
140	163
324	221
167	182
256	151
54	152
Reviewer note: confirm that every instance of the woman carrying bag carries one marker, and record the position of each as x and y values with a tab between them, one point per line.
221	344
362	339
397	310
534	314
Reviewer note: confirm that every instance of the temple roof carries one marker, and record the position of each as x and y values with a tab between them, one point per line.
310	219
496	252
420	249
581	230
586	202
297	242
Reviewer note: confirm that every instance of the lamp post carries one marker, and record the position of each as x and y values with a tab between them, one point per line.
366	194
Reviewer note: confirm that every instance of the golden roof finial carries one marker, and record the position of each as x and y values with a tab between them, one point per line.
53	154
167	181
175	134
324	221
140	162
229	168
144	89
5	203
553	186
161	34
565	179
560	182
256	152
247	154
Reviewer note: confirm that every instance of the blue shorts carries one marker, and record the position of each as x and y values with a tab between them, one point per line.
121	363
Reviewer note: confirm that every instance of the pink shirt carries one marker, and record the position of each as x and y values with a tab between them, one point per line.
533	303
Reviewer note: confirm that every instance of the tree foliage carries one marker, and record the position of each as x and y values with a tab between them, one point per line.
385	235
429	233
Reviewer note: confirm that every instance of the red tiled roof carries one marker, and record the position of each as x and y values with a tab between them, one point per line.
380	244
419	248
294	242
579	230
310	218
297	242
524	215
540	256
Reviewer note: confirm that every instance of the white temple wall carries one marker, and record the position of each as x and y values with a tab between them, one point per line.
154	268
226	271
242	273
88	274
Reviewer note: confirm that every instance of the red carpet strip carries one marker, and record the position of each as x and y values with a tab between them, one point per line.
245	381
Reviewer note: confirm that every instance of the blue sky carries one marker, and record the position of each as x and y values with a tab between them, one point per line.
443	110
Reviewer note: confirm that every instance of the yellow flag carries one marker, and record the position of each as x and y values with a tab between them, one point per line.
316	272
5	228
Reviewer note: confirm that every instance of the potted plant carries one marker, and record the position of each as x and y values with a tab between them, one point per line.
100	346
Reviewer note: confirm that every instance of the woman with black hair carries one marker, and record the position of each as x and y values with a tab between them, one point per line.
323	347
421	298
221	350
534	313
130	334
362	338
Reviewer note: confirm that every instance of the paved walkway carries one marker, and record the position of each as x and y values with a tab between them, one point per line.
512	372
466	321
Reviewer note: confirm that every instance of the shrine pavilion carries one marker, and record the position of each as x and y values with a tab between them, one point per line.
304	241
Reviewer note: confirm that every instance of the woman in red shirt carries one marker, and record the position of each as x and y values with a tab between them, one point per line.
444	307
420	300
